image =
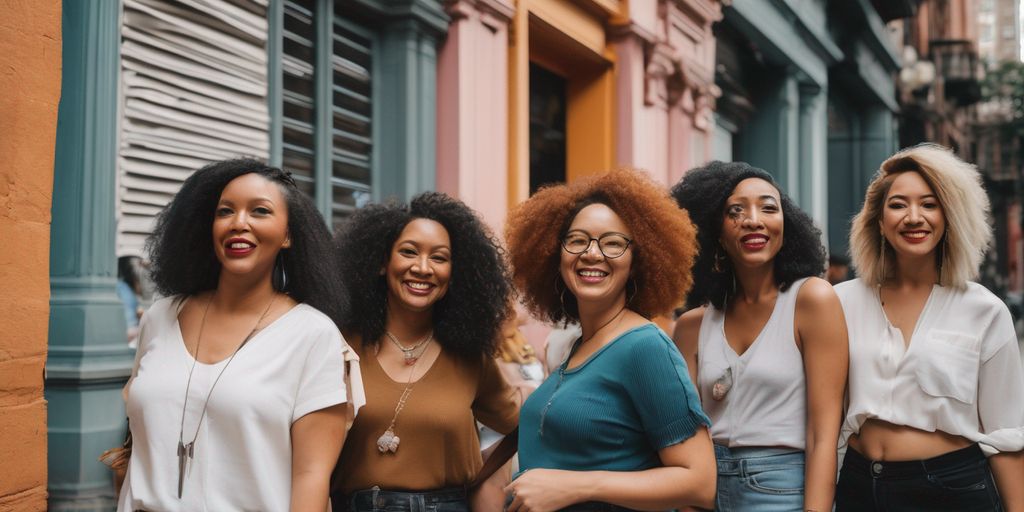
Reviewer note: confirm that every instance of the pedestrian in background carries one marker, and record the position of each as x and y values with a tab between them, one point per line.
616	426
429	292
237	397
935	376
765	341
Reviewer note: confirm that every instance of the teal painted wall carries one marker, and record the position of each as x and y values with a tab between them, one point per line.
89	359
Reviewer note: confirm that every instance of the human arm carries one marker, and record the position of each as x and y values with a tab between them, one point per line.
1001	412
687	478
821	333
497	402
317	439
1008	470
685	335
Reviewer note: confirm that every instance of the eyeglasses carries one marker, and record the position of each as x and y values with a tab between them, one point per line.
611	245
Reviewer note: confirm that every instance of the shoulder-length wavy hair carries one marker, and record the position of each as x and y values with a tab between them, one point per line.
957	184
181	246
703	192
467	320
663	243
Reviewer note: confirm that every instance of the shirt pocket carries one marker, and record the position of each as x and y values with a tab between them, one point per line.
949	365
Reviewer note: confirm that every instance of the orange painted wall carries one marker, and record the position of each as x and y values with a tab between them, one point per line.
30	52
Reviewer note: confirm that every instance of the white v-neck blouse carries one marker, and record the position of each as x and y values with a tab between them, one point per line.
243	453
960	374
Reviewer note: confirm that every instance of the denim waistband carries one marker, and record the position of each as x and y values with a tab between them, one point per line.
740	461
377	498
881	469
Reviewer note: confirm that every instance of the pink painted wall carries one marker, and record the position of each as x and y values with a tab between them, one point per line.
665	86
472	108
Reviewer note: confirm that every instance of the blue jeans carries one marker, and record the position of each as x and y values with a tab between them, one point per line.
377	500
960	480
755	478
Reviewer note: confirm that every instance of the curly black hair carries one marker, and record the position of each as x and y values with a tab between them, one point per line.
467	320
703	192
181	246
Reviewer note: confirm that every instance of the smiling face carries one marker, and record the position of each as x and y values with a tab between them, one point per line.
591	276
420	265
752	224
250	225
912	218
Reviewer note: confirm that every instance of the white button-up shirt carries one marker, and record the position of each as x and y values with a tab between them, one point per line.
960	374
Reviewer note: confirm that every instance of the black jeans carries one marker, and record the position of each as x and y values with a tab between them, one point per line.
377	500
958	481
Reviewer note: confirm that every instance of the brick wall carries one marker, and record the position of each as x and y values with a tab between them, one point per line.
30	51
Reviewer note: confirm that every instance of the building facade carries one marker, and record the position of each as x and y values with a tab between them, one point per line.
365	100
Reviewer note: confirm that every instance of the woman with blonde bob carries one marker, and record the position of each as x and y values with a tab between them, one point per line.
936	383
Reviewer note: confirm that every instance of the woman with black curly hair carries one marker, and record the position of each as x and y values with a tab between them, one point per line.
429	293
618	425
766	343
237	397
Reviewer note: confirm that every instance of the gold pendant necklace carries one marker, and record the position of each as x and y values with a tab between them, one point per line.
388	441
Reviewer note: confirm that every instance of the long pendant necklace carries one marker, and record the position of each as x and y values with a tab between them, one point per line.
561	370
410	352
186	451
388	441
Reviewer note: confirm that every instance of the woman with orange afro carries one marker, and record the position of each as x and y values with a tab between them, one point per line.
618	425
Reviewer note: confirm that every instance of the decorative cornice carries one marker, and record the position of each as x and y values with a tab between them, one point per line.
491	11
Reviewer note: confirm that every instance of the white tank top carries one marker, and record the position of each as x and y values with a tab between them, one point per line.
761	395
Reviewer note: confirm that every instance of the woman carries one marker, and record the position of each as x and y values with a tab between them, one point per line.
935	373
237	397
616	426
765	342
429	293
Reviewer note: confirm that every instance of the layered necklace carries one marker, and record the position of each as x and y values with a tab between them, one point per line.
388	441
186	451
413	353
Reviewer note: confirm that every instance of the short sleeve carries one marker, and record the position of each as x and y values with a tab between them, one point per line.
495	404
659	385
322	382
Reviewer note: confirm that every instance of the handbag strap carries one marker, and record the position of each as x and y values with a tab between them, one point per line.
506	448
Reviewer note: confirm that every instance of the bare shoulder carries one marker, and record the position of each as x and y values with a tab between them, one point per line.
816	293
687	329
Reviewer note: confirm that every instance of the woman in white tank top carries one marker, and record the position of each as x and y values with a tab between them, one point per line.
765	343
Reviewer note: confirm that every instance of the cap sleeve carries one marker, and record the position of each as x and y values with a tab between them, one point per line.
659	386
322	382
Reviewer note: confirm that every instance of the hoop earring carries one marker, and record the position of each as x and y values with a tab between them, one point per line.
718	266
636	290
561	297
279	278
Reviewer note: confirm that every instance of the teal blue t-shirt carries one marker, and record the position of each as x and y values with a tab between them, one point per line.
614	412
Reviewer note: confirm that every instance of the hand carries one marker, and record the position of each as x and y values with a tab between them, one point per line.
544	490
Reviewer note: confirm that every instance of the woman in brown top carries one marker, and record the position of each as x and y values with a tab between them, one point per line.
429	292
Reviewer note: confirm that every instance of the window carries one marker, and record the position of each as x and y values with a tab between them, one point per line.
326	117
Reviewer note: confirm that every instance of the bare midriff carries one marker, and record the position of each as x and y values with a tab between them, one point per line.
881	440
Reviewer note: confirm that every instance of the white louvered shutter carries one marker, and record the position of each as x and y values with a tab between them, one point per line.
193	90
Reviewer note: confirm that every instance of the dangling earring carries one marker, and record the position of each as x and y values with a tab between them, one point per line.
719	262
279	278
942	257
881	257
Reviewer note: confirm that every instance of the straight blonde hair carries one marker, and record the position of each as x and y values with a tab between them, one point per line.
957	184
